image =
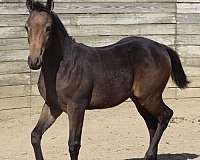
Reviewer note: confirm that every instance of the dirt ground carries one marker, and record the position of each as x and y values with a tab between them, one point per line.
112	134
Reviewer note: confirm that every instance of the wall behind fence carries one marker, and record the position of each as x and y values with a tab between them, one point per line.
99	22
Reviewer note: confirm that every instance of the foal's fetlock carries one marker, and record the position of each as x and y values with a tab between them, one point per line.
150	157
74	148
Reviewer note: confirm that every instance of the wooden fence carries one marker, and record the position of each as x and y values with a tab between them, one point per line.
99	22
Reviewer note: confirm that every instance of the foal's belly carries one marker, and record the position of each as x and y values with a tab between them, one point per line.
107	96
105	103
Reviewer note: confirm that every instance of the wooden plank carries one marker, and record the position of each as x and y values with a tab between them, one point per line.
13	55
96	19
115	8
37	101
12	20
14	91
189	1
194	82
13	44
188	29
188	40
100	1
189	51
19	32
106	19
19	8
19	67
34	76
188	8
188	18
192	71
169	93
106	40
12	32
34	90
191	61
14	102
188	93
15	79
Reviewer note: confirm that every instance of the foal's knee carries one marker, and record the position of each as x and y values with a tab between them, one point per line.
35	138
74	147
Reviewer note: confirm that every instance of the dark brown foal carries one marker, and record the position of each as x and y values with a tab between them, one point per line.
75	77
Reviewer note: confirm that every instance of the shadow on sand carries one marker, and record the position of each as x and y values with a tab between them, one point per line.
178	156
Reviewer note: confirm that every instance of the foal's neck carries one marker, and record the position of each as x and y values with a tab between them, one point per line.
58	50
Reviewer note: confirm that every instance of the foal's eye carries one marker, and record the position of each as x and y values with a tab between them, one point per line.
48	29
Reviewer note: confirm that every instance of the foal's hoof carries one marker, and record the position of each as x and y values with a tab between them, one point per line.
150	157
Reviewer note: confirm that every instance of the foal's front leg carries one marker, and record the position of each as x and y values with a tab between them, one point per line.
47	118
76	114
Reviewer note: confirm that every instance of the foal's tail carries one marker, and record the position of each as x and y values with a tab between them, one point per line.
177	73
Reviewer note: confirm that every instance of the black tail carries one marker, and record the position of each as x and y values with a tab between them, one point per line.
177	73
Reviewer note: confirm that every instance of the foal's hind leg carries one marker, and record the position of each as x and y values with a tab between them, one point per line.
163	118
47	118
150	121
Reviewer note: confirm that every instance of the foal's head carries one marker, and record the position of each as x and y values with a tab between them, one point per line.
38	26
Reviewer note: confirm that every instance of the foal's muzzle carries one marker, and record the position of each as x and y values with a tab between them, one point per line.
35	63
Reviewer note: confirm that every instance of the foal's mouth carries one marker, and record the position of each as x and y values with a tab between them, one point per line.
35	63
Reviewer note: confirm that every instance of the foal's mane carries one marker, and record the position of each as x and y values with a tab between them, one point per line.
38	6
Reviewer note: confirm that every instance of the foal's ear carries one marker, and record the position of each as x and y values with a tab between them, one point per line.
50	5
29	4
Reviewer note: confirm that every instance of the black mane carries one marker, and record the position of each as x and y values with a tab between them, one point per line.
57	23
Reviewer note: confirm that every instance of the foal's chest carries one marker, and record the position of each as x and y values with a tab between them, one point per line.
49	88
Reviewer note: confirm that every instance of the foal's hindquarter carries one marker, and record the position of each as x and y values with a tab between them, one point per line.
128	70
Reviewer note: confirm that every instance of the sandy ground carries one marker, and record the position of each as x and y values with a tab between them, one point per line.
112	134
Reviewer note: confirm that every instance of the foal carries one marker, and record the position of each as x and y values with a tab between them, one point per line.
75	77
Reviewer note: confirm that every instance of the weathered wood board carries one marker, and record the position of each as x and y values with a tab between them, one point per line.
97	23
102	7
97	19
